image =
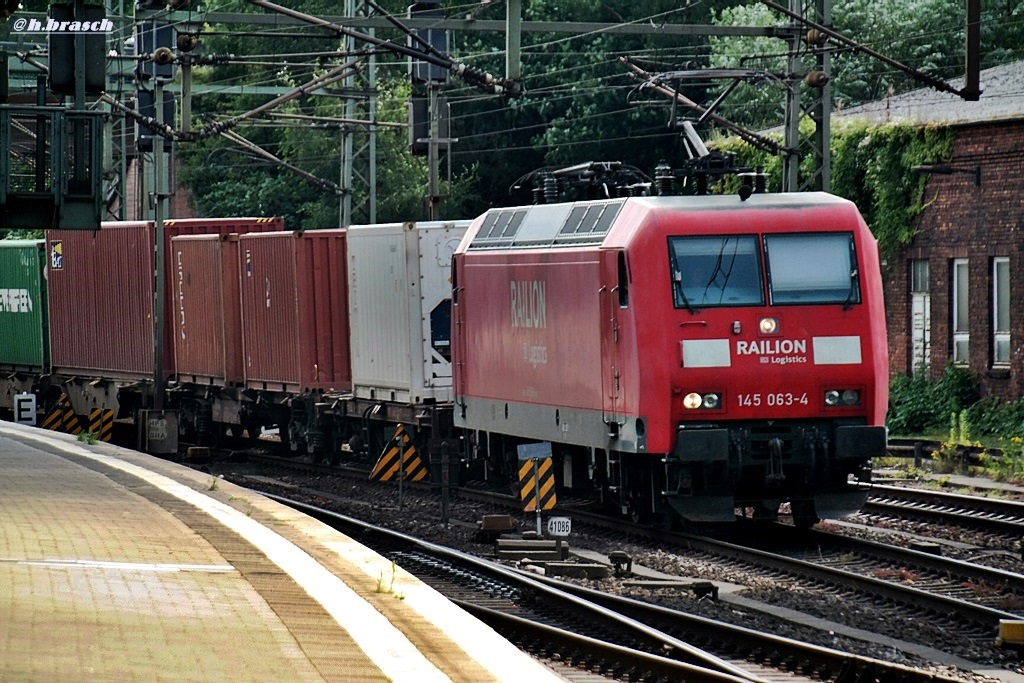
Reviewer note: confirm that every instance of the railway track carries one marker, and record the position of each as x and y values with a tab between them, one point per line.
957	591
984	514
962	601
611	635
939	591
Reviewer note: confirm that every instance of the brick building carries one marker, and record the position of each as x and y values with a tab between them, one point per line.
955	295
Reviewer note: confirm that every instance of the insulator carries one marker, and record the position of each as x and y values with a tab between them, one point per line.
815	37
550	189
816	79
163	56
665	179
187	42
538	194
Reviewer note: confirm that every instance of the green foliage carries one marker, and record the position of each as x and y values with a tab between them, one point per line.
956	389
927	35
872	166
755	105
89	438
918	405
992	416
1009	466
579	105
910	405
21	234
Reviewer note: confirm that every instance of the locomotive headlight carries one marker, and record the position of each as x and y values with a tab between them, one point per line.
769	325
709	401
842	397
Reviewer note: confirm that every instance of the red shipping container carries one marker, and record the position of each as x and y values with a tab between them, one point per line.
207	318
295	330
101	289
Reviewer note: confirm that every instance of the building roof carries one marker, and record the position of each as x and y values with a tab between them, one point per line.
1002	97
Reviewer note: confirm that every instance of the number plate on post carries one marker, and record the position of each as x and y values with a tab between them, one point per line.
559	526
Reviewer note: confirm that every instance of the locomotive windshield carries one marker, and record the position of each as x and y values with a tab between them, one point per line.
818	268
716	271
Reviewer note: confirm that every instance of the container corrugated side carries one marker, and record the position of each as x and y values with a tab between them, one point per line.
101	295
23	318
203	283
294	293
101	300
400	308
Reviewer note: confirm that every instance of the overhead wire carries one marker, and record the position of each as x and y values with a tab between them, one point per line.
581	90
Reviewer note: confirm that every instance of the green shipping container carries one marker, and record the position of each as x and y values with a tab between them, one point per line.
24	335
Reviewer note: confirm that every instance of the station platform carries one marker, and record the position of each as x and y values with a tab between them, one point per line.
120	566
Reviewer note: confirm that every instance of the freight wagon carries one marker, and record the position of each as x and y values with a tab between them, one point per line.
101	298
330	336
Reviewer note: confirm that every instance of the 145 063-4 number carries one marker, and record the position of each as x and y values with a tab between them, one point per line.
773	399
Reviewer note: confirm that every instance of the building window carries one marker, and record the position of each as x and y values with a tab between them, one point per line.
920	316
1001	311
961	323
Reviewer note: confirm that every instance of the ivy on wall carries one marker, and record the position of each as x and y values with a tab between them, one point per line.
872	166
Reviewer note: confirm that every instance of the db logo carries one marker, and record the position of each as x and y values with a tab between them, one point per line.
57	255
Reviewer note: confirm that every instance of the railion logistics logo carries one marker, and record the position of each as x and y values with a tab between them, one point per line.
53	26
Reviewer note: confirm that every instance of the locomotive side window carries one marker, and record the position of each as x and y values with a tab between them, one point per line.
819	268
715	271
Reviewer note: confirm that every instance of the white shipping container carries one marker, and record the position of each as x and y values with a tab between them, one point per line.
400	290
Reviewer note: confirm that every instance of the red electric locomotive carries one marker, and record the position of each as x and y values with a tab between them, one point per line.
685	356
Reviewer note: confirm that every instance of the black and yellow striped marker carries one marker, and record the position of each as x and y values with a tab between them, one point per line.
101	423
537	482
399	457
62	418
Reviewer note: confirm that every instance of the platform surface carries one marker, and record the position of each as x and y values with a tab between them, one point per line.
120	566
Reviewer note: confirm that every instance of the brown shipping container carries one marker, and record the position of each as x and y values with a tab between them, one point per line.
101	288
295	333
207	312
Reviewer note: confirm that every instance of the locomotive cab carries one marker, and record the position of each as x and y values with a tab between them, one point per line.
800	416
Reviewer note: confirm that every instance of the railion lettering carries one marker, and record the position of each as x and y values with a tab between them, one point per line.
771	347
529	303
